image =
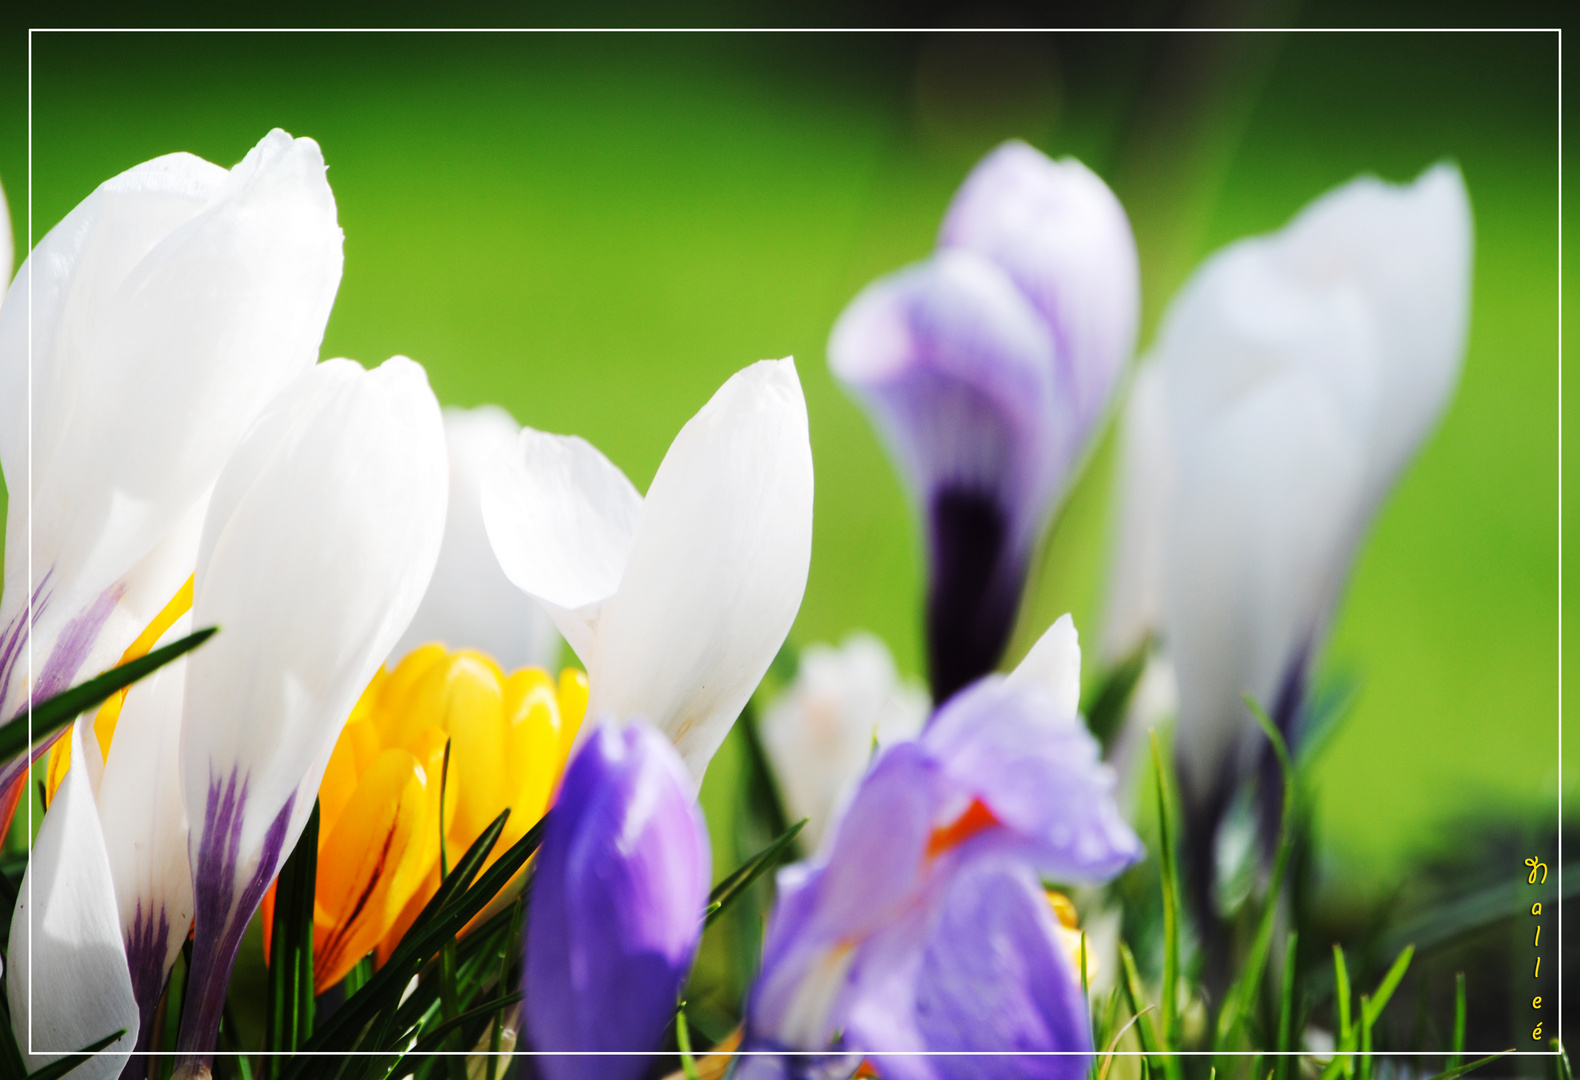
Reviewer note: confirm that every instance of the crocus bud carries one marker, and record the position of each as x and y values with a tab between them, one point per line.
617	905
986	369
821	733
1294	377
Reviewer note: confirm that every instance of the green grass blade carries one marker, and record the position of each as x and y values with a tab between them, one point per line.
1167	1006
1146	1030
56	1069
1562	1061
1286	1008
1341	998
442	917
1460	1070
60	710
688	1064
289	1006
1242	995
1385	989
733	887
1107	706
1458	1046
1364	1059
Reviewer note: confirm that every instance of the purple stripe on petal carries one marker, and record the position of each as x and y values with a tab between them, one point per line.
145	959
15	634
220	915
71	648
15	769
957	370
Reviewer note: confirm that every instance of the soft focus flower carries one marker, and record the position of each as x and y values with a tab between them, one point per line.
106	900
675	603
1293	378
470	603
617	905
378	839
164	311
987	368
822	731
319	542
923	926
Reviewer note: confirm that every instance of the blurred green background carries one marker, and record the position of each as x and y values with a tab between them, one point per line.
595	231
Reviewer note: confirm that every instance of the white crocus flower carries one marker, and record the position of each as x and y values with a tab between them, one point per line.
319	542
1292	380
822	731
675	603
107	897
471	604
140	339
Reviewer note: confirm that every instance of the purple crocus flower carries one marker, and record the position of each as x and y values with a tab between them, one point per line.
986	368
617	906
923	931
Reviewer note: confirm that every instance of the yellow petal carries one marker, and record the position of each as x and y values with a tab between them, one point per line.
474	715
533	743
398	696
357	865
109	713
55	768
573	707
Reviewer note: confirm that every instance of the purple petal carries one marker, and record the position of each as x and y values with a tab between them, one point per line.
994	977
874	877
1038	771
1062	237
957	370
617	905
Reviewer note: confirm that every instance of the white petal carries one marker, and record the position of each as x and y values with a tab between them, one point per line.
717	568
166	310
1135	584
68	985
820	734
471	603
1054	664
562	519
145	818
1408	248
1273	388
320	541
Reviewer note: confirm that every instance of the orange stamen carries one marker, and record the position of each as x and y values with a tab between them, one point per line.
976	818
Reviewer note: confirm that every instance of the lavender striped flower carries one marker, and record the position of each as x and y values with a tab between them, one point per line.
924	928
986	368
617	906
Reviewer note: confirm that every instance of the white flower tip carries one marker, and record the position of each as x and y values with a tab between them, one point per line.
1054	665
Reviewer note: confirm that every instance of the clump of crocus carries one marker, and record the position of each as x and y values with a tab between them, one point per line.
986	369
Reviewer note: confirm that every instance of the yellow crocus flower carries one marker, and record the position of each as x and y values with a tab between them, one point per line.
379	813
